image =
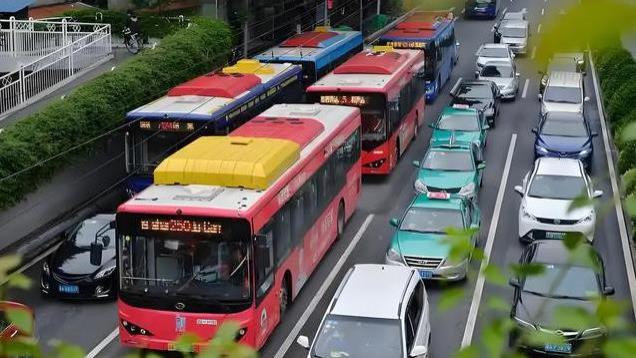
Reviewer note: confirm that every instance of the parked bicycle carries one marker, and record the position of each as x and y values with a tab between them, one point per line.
132	40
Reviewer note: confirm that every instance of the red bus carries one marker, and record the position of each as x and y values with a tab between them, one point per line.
233	226
388	86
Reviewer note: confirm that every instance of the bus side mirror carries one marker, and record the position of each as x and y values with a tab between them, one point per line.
96	253
394	222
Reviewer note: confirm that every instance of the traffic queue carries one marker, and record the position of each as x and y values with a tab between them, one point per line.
237	194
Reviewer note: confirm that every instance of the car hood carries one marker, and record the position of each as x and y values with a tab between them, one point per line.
513	40
501	82
445	179
69	260
563	144
540	311
482	60
562	107
422	244
443	136
554	209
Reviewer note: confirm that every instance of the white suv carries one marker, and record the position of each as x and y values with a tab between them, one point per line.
377	311
563	93
547	195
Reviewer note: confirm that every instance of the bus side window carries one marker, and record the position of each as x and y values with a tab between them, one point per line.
297	219
264	268
282	234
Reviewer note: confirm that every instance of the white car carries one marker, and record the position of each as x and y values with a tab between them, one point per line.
378	311
504	74
492	52
563	93
515	34
547	195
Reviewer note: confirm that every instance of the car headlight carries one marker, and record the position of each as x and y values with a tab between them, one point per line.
584	153
480	65
541	149
467	190
45	268
105	272
489	112
526	214
393	255
588	218
420	187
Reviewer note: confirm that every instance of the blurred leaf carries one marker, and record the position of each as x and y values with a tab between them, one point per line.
581	201
468	352
227	331
185	343
450	298
495	335
525	270
609	312
584	255
21	347
21	317
628	132
577	318
19	280
494	275
497	304
539	338
7	263
630	205
65	350
572	240
620	348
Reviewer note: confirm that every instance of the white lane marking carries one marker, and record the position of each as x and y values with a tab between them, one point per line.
534	52
31	263
479	286
106	341
321	291
525	88
505	10
542	11
539	29
627	253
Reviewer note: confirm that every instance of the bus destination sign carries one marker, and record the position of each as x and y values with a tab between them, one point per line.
345	100
406	44
181	226
167	126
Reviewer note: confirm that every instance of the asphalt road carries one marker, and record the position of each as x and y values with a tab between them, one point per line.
89	324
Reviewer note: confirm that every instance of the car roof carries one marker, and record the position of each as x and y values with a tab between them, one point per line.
450	111
558	166
422	201
374	291
516	23
455	147
553	252
499	62
515	15
565	79
492	45
564	115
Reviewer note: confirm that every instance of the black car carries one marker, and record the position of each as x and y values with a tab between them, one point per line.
564	282
482	95
564	135
71	274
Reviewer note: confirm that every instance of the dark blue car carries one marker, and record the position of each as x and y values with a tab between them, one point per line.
482	8
564	135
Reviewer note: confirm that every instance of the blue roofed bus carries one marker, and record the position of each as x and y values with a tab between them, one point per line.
213	104
434	33
318	51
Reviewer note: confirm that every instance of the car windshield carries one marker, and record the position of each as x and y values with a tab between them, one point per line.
460	122
431	220
493	52
474	91
559	94
564	128
447	160
516	32
347	336
562	64
559	187
84	234
502	70
564	281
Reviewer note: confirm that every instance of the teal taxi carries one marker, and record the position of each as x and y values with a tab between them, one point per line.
462	123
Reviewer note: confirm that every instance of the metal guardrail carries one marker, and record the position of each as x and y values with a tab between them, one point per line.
45	56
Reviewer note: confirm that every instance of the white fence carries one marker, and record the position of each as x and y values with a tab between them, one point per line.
47	55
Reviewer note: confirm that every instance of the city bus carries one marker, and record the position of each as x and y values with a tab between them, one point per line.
233	226
388	87
482	8
212	104
318	51
434	33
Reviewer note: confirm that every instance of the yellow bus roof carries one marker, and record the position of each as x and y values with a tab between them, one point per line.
253	163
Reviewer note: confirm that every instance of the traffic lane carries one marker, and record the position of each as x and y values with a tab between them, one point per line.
75	322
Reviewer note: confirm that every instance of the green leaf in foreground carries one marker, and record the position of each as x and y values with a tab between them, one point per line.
450	297
468	352
494	275
20	281
65	350
21	317
620	348
185	343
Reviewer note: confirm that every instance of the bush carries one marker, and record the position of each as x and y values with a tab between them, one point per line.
609	58
618	76
629	181
619	129
627	157
622	102
101	105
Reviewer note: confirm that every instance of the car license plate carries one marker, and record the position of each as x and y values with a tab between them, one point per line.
554	235
426	274
69	289
558	348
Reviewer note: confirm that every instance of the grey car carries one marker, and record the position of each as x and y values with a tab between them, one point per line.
504	74
515	34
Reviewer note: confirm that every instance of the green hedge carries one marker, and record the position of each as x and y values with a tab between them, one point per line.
618	76
621	102
101	105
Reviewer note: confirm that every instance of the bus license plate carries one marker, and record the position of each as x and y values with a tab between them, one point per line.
426	274
554	235
558	348
68	289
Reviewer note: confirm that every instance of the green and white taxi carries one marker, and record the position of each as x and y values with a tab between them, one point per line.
451	168
420	239
461	123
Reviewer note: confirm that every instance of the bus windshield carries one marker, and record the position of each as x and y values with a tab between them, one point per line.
148	148
184	257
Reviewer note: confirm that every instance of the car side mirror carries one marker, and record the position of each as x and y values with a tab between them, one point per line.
513	55
418	351
535	130
96	253
517	74
608	290
303	341
416	163
540	96
514	282
597	193
481	166
594	134
431	125
519	189
486	126
586	99
394	222
457	44
476	74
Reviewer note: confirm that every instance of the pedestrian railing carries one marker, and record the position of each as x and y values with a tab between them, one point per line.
49	54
